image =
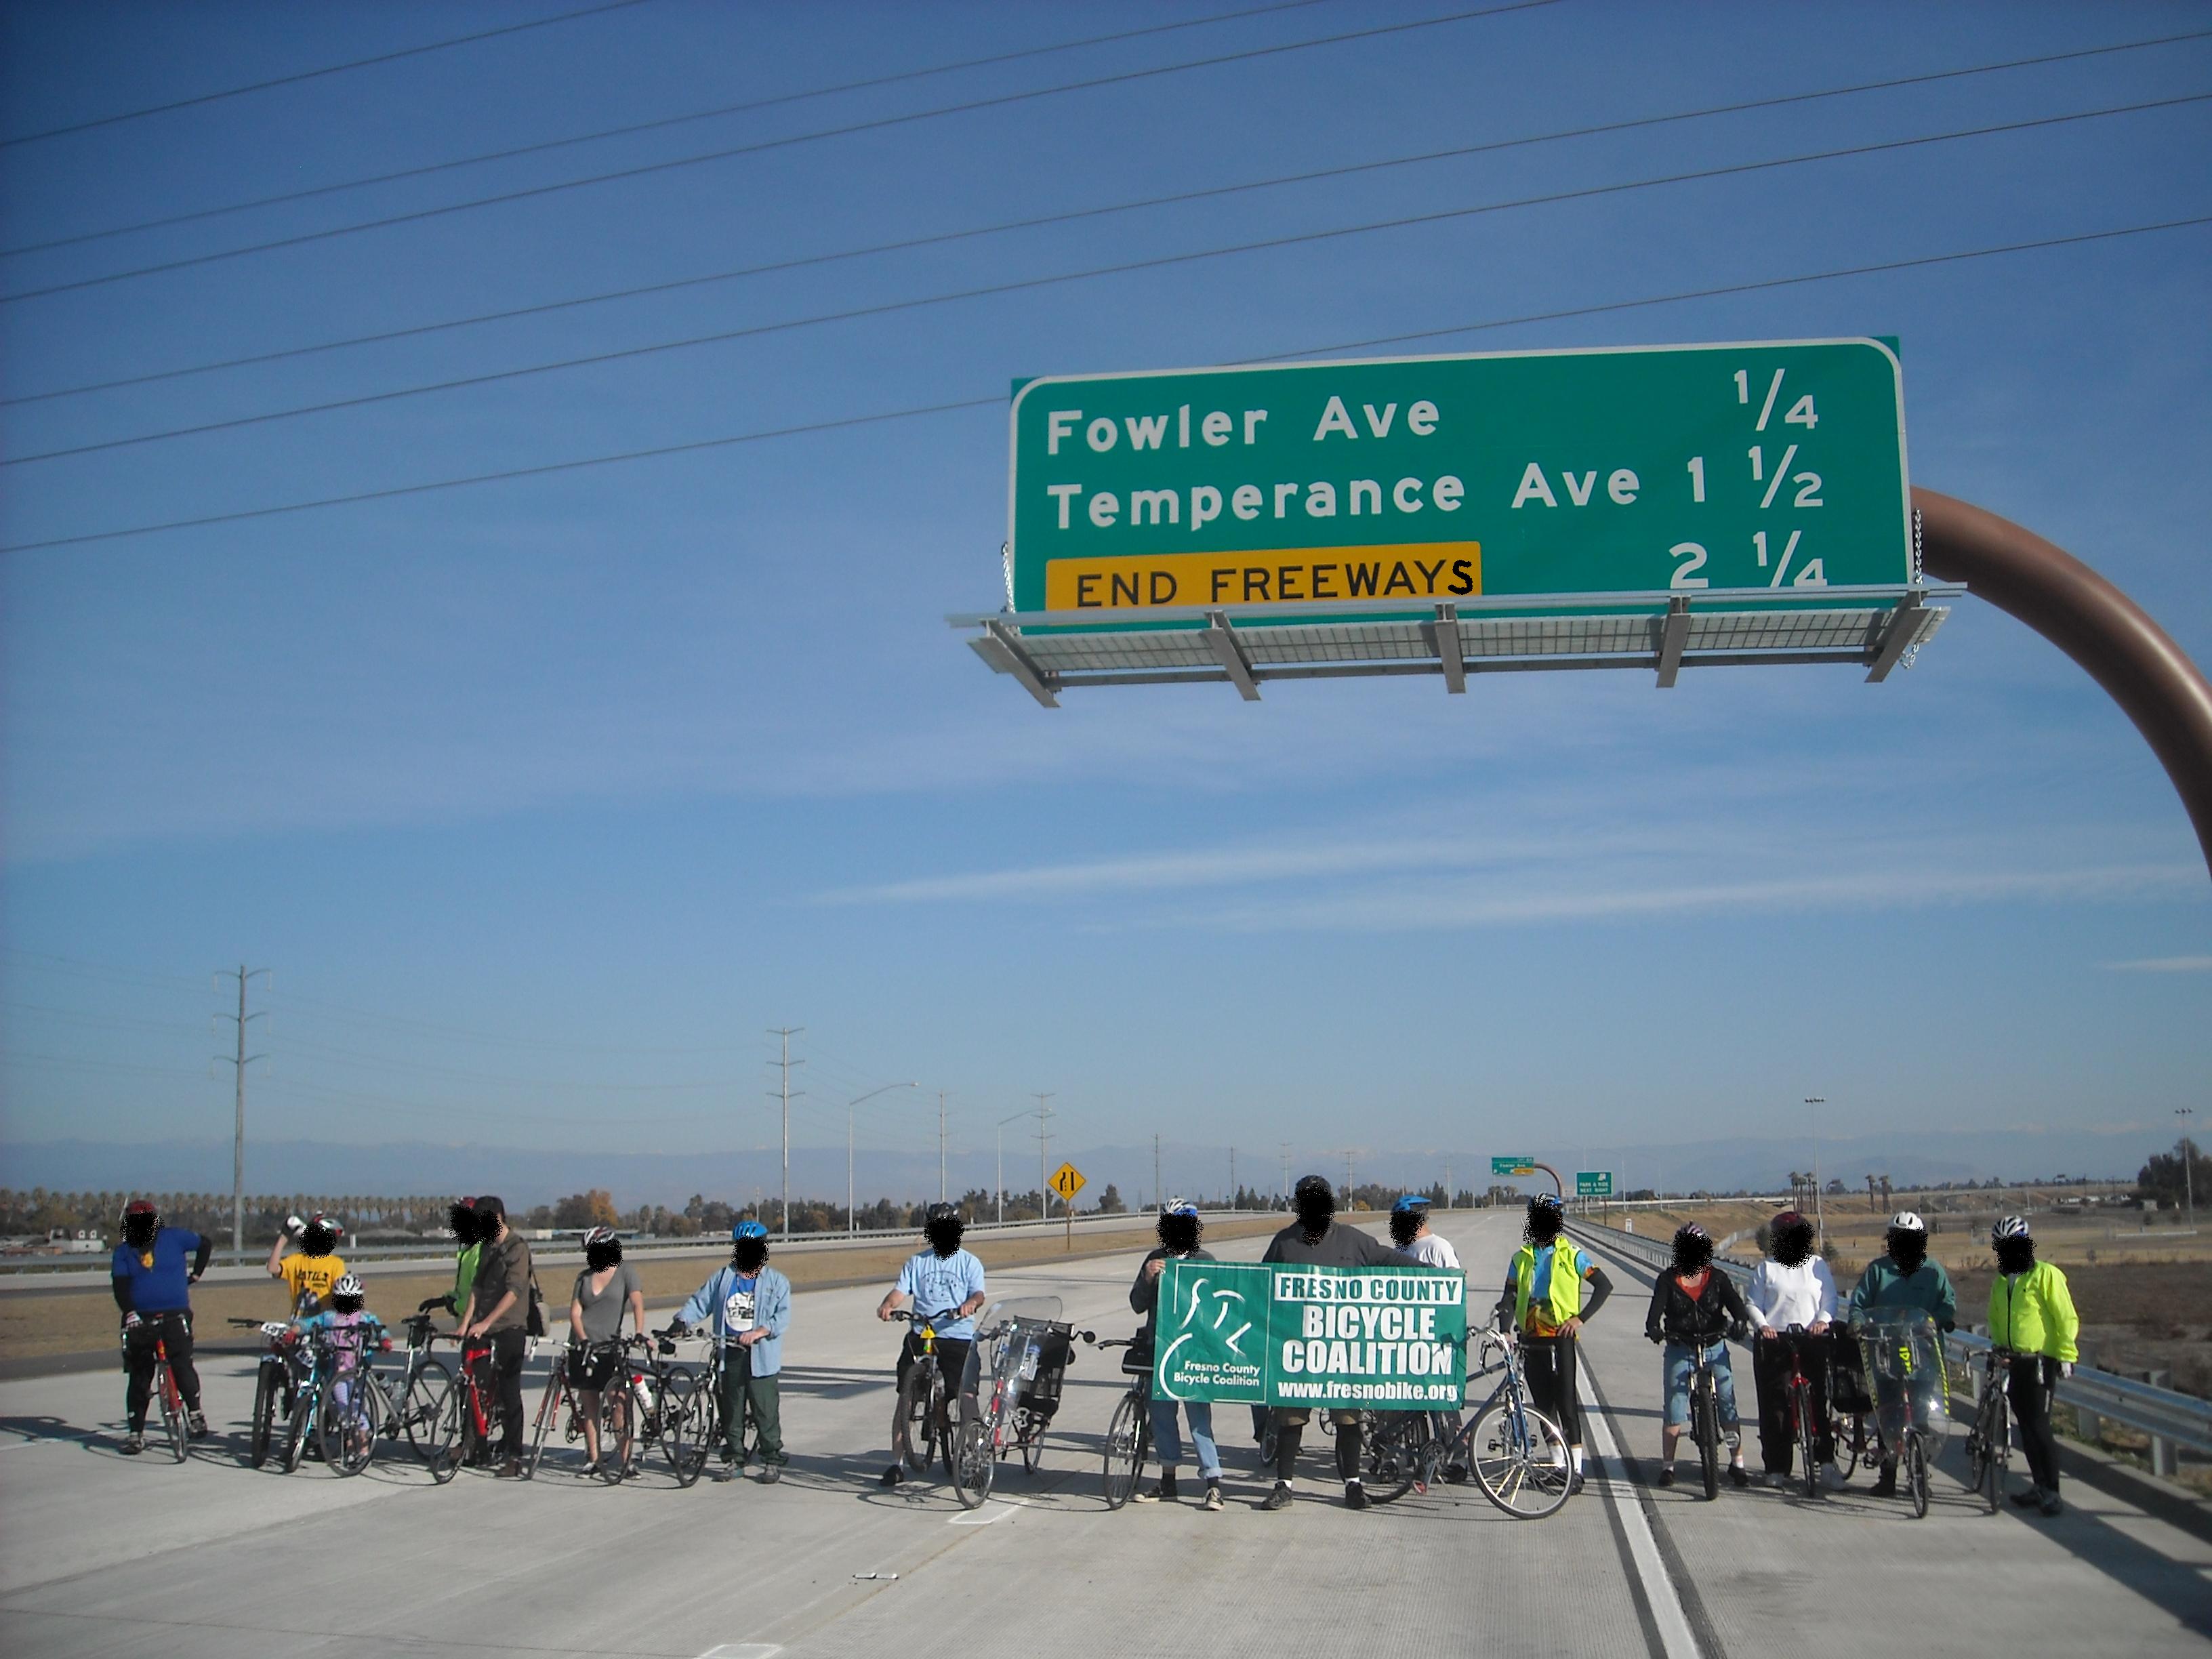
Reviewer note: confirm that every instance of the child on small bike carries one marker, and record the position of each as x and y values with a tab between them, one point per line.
1695	1307
349	1332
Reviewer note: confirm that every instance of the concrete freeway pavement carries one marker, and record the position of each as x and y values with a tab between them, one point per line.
107	1557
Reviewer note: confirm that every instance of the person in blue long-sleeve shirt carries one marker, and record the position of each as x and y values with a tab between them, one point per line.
151	1274
748	1304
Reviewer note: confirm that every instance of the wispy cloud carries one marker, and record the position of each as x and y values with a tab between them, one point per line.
2162	965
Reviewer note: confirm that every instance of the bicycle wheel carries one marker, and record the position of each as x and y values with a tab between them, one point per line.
549	1409
1850	1448
1032	1428
348	1430
1996	1436
301	1425
173	1411
419	1409
1800	1408
448	1441
1394	1456
1706	1403
682	1421
618	1445
265	1389
1125	1449
1916	1474
975	1463
1521	1461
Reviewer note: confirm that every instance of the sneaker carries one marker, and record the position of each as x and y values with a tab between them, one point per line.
2050	1505
1167	1486
1832	1477
2030	1499
134	1443
1455	1474
1885	1484
1739	1475
1355	1495
1212	1496
1279	1498
893	1476
511	1469
726	1472
196	1425
770	1473
1667	1475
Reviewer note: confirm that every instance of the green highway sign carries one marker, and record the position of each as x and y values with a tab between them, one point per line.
1594	1183
1776	465
1513	1166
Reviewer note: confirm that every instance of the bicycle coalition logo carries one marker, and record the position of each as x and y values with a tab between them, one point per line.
1202	1296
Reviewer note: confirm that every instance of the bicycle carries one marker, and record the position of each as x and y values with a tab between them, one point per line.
420	1389
1518	1455
662	1405
1129	1431
614	1416
469	1417
1804	1422
165	1391
1904	1368
1989	1442
924	1399
276	1385
337	1403
1017	1338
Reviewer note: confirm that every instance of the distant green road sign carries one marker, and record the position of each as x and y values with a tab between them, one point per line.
1777	467
1594	1183
1512	1166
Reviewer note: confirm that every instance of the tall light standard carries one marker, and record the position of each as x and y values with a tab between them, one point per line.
1001	1139
1820	1221
2188	1164
850	1229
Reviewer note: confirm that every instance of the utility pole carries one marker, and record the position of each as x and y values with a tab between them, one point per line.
786	1032
851	1227
1044	1116
1285	1190
999	1136
940	1145
1232	1178
1347	1178
1448	1186
1813	1118
1159	1194
239	1060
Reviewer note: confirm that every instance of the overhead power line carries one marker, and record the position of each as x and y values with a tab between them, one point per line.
1023	284
316	74
760	146
999	400
1076	215
871	83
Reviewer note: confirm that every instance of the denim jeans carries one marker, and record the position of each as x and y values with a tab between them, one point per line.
1168	1442
1678	1366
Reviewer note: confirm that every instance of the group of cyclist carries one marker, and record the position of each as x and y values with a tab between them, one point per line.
1791	1314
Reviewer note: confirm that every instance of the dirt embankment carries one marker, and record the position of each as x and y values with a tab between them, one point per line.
70	1322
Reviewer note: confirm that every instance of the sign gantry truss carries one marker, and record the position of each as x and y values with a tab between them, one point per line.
1664	632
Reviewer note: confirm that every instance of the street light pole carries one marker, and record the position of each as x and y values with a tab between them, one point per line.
2188	1164
1044	1116
850	1229
1001	1137
1820	1220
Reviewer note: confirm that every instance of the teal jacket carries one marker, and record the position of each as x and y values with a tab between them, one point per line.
1884	1285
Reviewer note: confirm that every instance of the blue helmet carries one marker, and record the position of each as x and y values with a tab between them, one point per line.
747	1230
1413	1202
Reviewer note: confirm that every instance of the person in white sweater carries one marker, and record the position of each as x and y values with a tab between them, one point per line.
1793	1302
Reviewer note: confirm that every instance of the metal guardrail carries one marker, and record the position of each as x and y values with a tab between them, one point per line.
2170	1419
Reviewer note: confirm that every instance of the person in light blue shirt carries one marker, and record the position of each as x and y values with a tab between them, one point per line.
944	1287
749	1305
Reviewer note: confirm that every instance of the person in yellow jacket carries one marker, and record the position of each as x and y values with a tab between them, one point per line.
2032	1313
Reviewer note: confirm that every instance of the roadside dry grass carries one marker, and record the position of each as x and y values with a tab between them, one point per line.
36	1325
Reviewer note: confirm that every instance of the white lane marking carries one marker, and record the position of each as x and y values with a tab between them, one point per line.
743	1650
996	1510
1674	1633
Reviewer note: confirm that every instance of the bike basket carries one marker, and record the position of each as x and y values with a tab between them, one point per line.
1040	1390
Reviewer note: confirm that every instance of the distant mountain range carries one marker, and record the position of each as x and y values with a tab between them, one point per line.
528	1176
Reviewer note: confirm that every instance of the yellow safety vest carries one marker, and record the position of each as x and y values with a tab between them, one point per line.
1564	1299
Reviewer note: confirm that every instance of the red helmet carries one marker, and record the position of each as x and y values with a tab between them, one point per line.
142	1212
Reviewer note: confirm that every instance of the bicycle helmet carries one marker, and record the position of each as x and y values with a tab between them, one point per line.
1407	1217
348	1294
141	1221
1693	1248
1907	1240
1546	1216
602	1250
942	1226
1178	1227
748	1247
2012	1226
1907	1221
320	1236
747	1230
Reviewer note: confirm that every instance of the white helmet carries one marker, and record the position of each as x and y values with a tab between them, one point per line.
1909	1221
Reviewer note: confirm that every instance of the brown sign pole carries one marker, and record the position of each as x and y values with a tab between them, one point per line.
2085	616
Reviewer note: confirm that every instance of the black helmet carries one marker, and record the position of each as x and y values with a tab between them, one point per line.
942	1226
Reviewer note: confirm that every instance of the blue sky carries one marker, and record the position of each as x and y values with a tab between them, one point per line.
545	797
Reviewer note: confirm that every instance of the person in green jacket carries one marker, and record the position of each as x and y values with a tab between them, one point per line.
2032	1313
462	1219
1905	1278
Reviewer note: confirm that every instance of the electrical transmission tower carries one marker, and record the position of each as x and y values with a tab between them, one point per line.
239	1060
785	1033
